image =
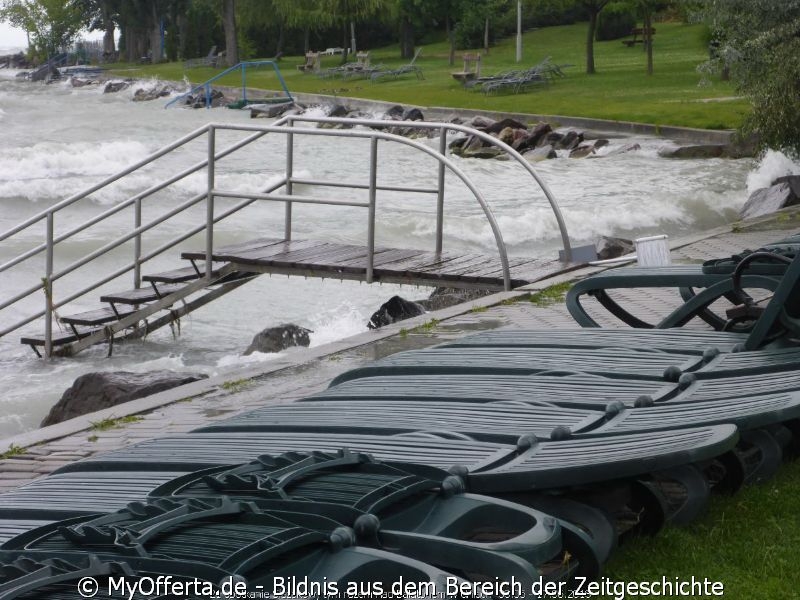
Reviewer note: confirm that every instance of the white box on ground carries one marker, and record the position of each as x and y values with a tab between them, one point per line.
653	251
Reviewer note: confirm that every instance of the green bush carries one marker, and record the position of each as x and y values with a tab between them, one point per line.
615	21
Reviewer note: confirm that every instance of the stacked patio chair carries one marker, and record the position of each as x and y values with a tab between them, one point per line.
517	81
399	71
572	439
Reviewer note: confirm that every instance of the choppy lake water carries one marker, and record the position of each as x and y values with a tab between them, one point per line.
55	140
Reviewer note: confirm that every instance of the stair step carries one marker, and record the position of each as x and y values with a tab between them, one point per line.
97	317
141	295
177	275
59	339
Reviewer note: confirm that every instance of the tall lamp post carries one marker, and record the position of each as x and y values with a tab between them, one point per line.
519	30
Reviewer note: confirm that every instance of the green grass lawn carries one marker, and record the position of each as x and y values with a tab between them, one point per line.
621	89
750	542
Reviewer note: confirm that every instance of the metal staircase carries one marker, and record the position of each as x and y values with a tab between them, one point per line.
158	299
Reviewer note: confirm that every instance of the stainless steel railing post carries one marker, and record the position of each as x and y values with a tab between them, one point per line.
137	244
373	186
210	199
287	224
47	284
440	193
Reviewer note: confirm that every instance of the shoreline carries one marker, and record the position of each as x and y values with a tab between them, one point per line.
301	358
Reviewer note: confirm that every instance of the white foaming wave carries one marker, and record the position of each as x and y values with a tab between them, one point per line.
774	164
236	360
340	322
55	159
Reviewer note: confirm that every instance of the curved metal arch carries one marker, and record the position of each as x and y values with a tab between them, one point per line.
370	134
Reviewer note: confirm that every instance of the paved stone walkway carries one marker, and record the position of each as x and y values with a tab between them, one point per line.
235	396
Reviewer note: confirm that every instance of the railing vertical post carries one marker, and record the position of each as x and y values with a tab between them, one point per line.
137	244
287	224
210	200
47	283
373	186
244	83
440	192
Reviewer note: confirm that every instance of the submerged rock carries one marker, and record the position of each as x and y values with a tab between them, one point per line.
697	151
786	192
276	339
95	391
538	154
613	247
393	310
270	111
159	90
112	87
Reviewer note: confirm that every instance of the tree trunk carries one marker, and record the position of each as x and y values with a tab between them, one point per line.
451	36
486	37
281	39
156	50
183	26
353	38
648	40
307	40
406	38
109	48
590	42
229	24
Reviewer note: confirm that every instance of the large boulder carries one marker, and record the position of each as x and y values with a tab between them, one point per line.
393	310
394	113
571	139
159	90
785	192
270	111
112	87
696	151
613	247
95	391
276	339
413	114
498	126
337	110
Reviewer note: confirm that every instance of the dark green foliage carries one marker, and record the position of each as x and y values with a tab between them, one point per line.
615	21
546	13
203	29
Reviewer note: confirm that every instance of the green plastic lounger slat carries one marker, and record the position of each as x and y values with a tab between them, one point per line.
383	503
40	576
570	390
620	456
680	341
746	412
494	421
610	362
563	463
192	451
245	539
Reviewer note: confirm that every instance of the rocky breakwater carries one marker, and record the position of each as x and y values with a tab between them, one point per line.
781	193
535	142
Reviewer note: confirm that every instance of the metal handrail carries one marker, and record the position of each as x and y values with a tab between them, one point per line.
243	66
444	127
287	127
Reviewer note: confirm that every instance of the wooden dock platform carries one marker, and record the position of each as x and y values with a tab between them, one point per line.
309	258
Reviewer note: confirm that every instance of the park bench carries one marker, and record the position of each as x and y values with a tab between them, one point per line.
472	68
312	63
639	36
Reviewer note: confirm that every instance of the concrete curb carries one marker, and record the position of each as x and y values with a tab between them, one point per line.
440	113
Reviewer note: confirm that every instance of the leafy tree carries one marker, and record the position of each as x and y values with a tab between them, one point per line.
593	8
52	25
760	41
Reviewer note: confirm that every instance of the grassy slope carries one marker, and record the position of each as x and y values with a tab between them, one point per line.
750	542
620	90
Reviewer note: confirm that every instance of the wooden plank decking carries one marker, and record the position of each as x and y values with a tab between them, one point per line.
311	258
